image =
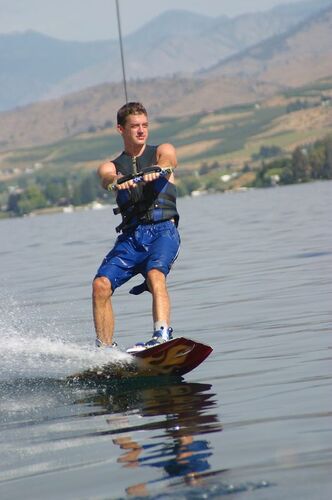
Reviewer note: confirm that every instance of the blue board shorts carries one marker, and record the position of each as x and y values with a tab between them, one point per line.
148	246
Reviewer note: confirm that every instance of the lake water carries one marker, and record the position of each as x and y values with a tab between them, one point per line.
253	280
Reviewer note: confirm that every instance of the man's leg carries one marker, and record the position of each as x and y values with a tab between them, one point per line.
102	310
156	281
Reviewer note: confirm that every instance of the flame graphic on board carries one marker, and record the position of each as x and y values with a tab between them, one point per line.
168	360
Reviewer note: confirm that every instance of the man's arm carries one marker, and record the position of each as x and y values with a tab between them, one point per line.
166	157
108	175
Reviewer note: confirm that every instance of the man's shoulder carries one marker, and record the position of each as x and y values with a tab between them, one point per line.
106	167
166	155
165	147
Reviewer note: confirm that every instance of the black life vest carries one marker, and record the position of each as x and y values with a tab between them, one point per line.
148	202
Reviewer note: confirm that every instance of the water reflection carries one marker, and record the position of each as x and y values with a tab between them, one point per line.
177	416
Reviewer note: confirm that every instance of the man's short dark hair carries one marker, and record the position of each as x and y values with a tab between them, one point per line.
131	108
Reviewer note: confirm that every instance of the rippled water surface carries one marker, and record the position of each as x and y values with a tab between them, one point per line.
253	280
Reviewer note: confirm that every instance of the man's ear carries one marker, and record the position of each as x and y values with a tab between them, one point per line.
120	129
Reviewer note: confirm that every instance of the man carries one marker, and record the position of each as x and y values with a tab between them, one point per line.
149	242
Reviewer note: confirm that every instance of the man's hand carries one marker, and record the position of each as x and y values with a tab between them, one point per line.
126	185
130	182
152	176
146	177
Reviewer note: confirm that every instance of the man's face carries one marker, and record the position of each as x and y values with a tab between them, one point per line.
135	131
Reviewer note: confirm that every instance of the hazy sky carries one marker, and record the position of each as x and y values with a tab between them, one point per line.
96	19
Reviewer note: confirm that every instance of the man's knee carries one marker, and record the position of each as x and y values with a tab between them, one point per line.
156	279
101	288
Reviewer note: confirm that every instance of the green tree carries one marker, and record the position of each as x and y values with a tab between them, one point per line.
55	190
286	176
12	204
86	190
191	184
204	168
327	169
297	105
317	159
215	185
267	152
187	184
26	201
300	165
262	177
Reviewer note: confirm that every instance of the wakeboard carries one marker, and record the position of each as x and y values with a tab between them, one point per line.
175	357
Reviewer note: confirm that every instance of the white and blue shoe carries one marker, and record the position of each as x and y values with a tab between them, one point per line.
101	345
158	337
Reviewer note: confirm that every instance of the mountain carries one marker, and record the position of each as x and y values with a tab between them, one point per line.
292	59
37	67
31	63
302	55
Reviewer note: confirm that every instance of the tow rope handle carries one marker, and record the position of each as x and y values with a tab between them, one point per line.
139	176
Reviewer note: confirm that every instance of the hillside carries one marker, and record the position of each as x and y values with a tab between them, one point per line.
291	60
284	139
230	136
54	120
37	67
